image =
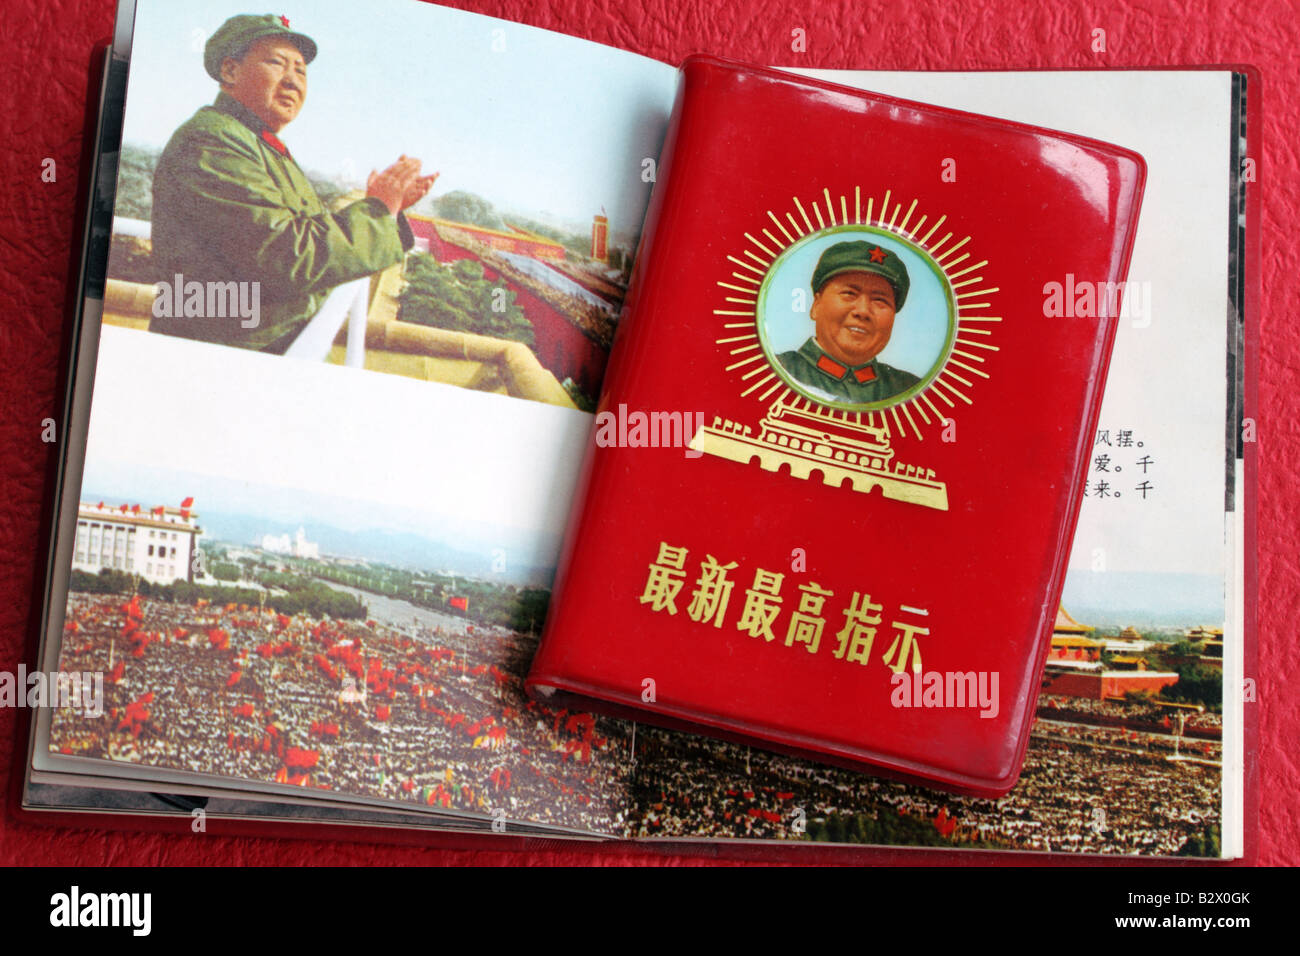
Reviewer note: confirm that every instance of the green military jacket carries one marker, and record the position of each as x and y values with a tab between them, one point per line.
230	204
858	385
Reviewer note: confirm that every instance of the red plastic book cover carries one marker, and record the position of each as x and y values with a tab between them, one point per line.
845	428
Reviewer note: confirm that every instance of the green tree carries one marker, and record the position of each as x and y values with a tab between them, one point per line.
529	610
1197	685
107	581
462	206
457	297
135	168
226	571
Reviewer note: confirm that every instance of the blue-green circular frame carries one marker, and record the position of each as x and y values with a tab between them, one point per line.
856	229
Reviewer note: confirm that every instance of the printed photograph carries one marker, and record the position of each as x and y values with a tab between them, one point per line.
856	318
463	210
286	608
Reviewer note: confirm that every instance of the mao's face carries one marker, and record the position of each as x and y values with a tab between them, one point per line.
854	316
271	80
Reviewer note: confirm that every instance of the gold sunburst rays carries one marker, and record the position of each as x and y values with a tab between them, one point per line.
965	358
789	238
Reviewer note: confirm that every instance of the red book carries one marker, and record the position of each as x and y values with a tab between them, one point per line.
882	329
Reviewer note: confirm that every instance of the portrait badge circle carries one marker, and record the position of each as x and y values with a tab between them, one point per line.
857	318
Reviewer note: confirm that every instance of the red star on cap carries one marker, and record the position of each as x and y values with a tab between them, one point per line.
284	20
877	254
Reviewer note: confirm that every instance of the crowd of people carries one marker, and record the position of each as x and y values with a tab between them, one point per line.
1125	739
596	322
1086	789
426	717
435	718
1137	714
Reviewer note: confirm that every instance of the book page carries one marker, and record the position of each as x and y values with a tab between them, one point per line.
331	448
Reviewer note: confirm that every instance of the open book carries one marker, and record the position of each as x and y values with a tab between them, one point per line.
308	581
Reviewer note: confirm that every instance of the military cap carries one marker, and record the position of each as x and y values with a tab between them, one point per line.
239	33
862	256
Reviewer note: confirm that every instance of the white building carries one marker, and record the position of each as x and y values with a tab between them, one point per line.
276	543
302	548
157	544
298	545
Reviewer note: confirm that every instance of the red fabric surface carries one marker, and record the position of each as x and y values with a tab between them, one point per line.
43	72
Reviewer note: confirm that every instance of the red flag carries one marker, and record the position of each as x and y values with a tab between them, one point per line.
943	823
188	503
460	603
296	757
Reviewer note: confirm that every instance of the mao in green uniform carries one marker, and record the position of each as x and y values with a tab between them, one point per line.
230	204
858	288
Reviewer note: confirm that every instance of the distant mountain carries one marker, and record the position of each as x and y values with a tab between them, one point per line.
403	549
1144	599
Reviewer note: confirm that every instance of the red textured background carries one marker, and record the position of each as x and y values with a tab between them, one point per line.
44	55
